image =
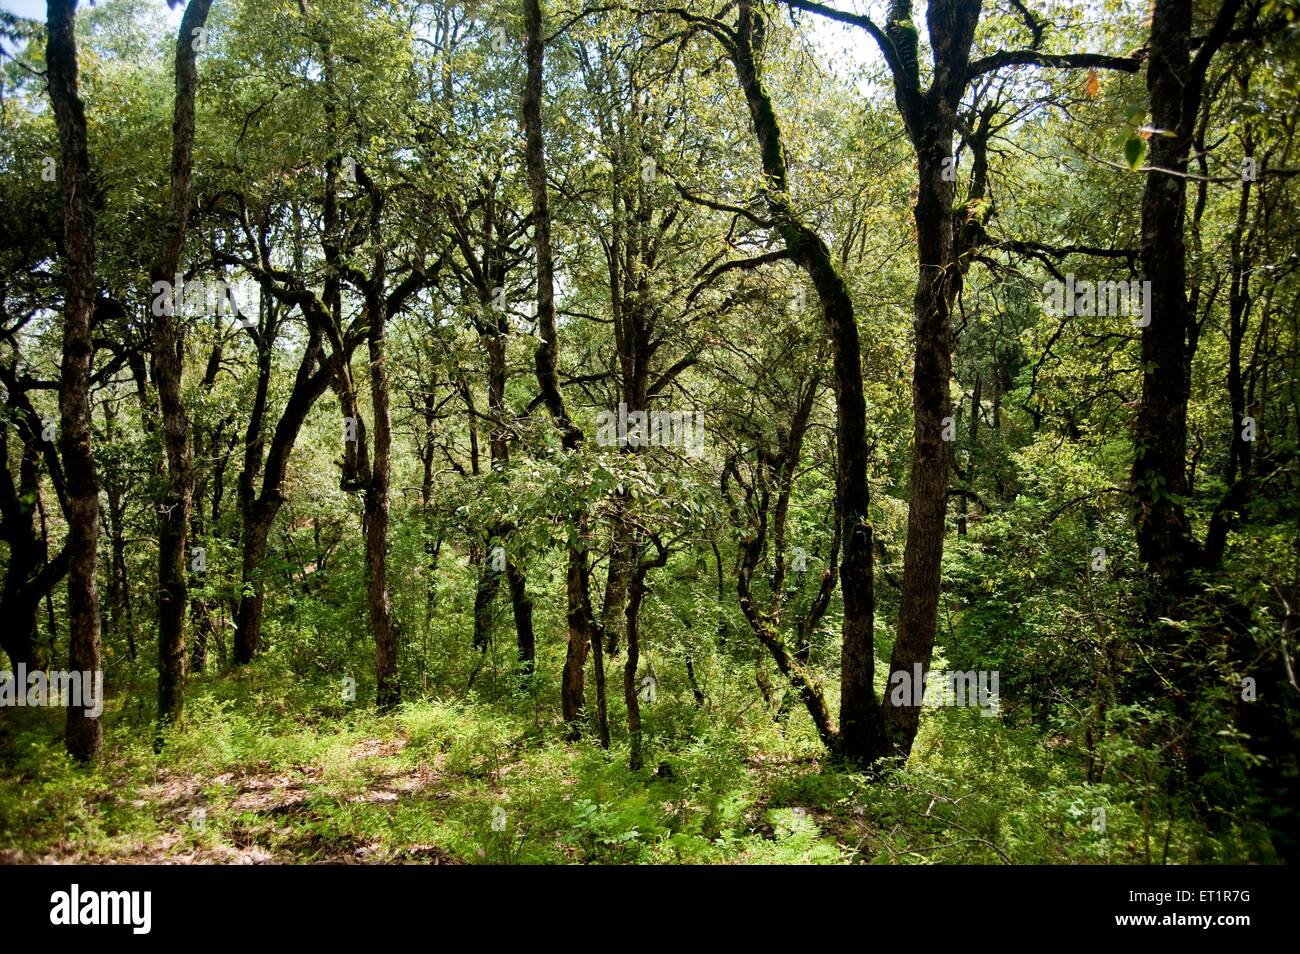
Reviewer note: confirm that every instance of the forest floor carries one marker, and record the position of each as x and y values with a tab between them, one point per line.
259	775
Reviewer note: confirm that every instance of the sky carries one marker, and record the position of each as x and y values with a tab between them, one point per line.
844	48
25	8
35	9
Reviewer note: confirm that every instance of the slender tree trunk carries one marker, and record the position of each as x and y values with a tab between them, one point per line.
602	699
388	692
860	726
582	633
767	625
635	596
84	734
356	452
168	351
581	624
636	592
621	561
490	570
522	604
976	401
489	581
28	576
117	539
256	529
121	615
259	512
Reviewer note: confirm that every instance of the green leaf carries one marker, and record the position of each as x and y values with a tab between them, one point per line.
1134	152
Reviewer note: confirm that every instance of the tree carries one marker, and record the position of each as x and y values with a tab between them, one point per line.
582	627
168	351
84	734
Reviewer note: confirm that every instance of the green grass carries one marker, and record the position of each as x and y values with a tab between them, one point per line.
269	767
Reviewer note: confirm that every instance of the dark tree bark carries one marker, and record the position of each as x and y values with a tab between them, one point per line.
121	615
929	115
388	693
485	592
636	592
168	356
489	251
84	733
317	371
522	605
374	475
1175	81
30	575
207	444
582	627
259	512
764	520
378	305
248	617
930	118
859	737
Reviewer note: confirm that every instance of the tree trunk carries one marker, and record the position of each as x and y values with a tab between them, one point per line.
860	726
121	614
84	733
388	691
525	641
168	351
930	117
489	581
29	575
1175	81
581	624
636	592
1164	533
767	626
635	595
252	595
621	561
259	512
573	695
931	405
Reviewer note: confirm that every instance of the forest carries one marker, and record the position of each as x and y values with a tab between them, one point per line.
650	432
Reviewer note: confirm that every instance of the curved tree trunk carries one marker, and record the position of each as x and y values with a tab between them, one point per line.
30	574
860	736
636	591
260	513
